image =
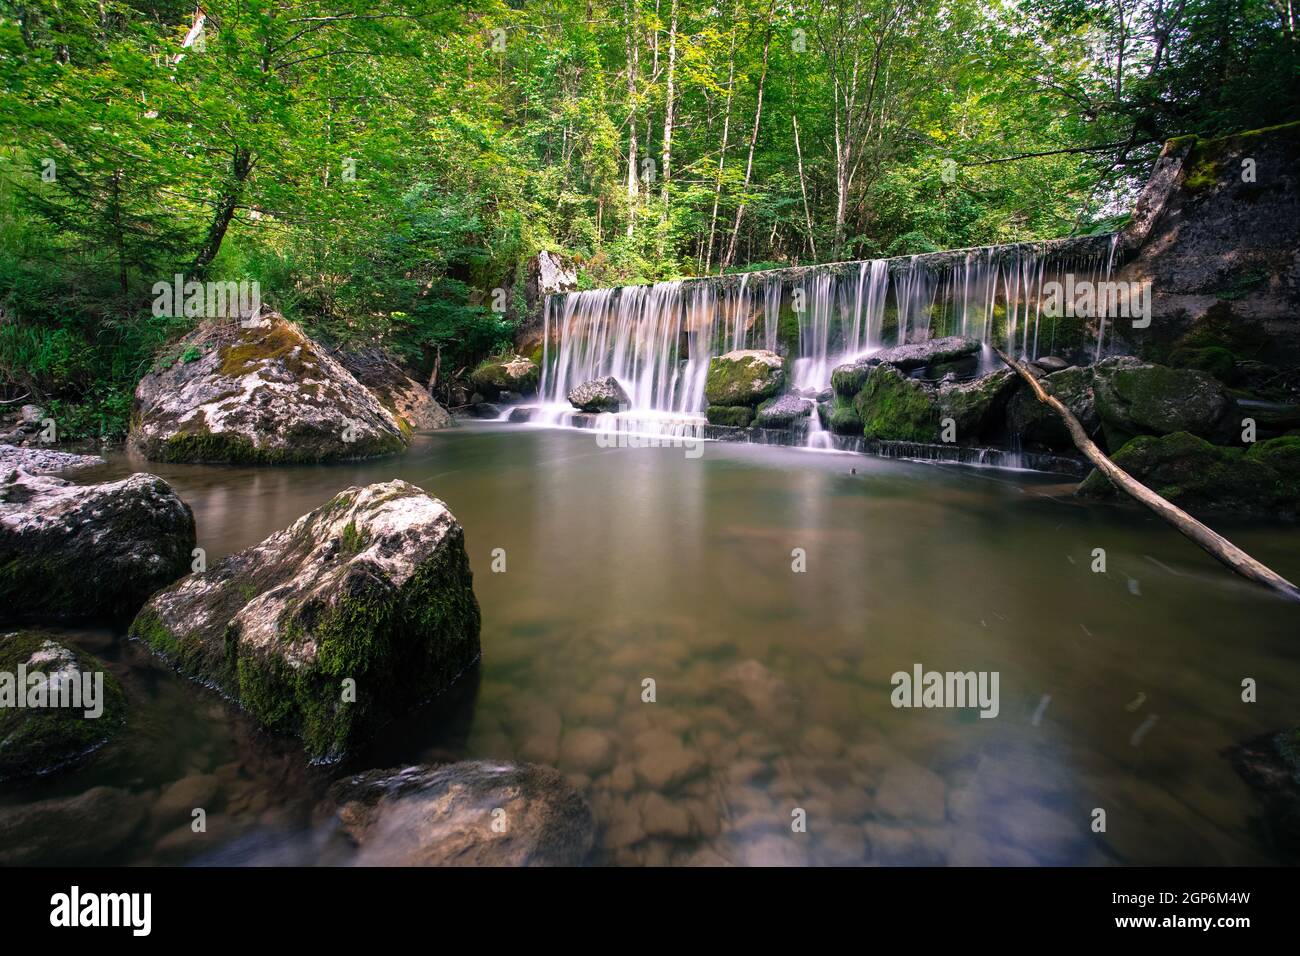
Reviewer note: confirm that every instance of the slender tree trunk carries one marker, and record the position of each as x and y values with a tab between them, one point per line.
726	132
632	55
803	187
669	106
749	162
241	166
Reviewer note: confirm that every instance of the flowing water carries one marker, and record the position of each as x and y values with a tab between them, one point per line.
1117	691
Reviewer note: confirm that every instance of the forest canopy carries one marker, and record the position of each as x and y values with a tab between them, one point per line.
381	168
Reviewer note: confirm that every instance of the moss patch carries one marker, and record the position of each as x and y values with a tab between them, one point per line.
894	407
738	416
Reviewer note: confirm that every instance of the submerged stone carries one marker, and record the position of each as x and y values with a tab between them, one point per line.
57	705
259	392
88	552
476	813
358	612
744	377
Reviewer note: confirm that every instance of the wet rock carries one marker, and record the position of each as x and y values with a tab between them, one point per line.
40	739
920	354
477	813
179	800
840	416
744	377
842	845
258	392
88	552
737	416
599	395
661	817
1134	398
43	461
409	401
511	373
88	828
356	613
1038	424
782	411
894	407
1205	479
975	406
483	410
1051	363
772	850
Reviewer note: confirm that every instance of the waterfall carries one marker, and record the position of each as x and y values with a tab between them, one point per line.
657	340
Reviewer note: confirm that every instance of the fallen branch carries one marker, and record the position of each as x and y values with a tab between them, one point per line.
1216	544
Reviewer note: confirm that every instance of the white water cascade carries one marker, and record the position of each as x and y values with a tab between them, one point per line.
657	340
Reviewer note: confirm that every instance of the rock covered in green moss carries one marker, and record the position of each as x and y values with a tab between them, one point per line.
744	377
840	416
511	373
359	611
1038	424
782	411
475	813
57	705
1201	477
976	405
258	392
847	380
1135	398
599	395
88	552
736	416
893	407
409	401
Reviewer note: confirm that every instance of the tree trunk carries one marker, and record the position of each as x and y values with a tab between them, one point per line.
1218	546
669	105
749	162
726	131
225	212
632	55
803	187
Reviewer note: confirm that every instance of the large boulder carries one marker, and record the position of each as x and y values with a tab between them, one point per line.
409	401
1134	398
358	612
1038	424
477	813
893	407
515	375
40	728
782	411
744	377
1204	478
921	354
258	392
840	415
88	552
599	395
974	406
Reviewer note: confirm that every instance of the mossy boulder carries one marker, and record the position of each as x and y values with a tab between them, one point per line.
1212	360
53	734
599	395
1201	477
443	816
1134	398
744	377
978	405
737	416
782	411
259	392
512	374
88	552
893	407
848	380
840	416
356	613
1038	424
